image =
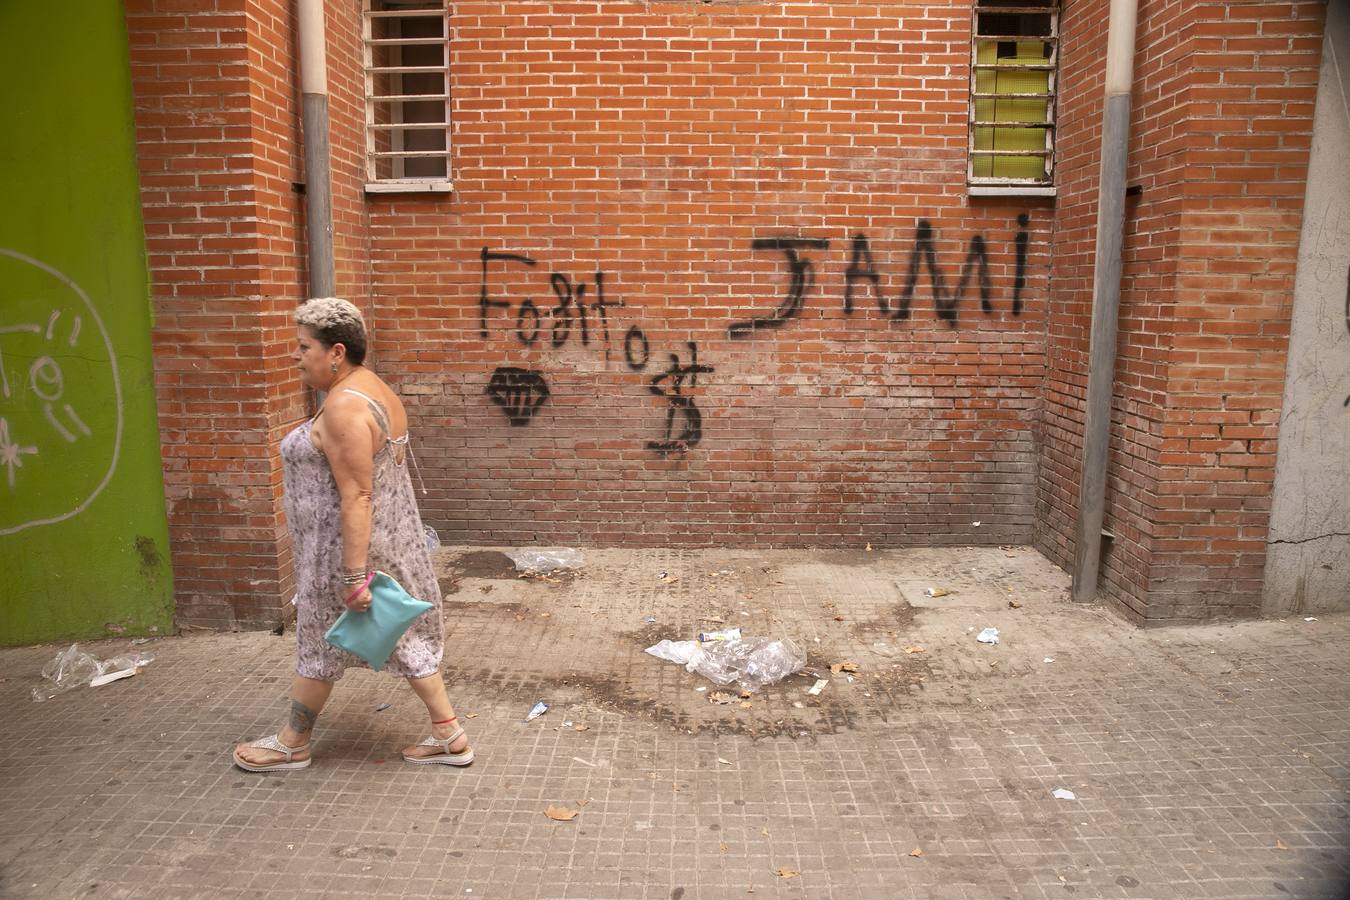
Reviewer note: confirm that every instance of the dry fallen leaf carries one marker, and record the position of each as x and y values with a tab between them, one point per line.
1280	845
839	618
560	813
746	695
915	649
916	852
721	698
723	847
1015	604
471	715
581	728
845	666
787	873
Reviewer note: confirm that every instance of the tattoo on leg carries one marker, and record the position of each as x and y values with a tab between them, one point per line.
302	717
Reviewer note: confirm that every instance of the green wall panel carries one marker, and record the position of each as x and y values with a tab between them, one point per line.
83	536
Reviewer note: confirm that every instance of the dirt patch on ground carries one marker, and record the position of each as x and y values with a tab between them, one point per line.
483	564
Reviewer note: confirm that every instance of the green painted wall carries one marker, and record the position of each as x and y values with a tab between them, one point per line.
83	536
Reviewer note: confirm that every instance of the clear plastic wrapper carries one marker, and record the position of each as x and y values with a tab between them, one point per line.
73	668
753	662
541	561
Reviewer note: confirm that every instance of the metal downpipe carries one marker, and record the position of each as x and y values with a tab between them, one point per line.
1105	297
314	126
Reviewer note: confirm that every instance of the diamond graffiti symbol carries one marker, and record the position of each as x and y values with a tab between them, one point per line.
519	392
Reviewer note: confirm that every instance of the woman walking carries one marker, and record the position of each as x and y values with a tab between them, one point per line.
351	510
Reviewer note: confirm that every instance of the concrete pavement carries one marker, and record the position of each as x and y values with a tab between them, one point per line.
1205	762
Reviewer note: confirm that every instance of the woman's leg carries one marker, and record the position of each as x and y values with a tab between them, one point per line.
308	696
431	690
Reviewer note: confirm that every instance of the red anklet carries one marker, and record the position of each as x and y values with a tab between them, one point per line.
444	721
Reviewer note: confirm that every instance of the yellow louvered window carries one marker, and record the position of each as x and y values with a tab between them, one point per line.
1012	104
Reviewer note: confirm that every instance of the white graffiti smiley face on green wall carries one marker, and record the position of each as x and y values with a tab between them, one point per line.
60	397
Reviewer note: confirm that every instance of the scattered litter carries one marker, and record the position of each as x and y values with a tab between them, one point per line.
726	634
721	698
746	704
936	592
845	666
753	662
1062	794
567	724
701	687
650	620
797	704
869	548
1280	845
839	618
110	677
915	649
643	825
1049	659
583	762
73	668
725	762
988	636
1014	604
581	728
881	648
561	813
976	523
712	619
667	578
916	852
1310	619
383	706
819	686
139	641
543	561
433	539
536	711
471	716
787	873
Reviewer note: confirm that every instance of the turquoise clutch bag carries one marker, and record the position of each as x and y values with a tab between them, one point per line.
372	634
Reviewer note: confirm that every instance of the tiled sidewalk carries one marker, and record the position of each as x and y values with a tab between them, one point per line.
1206	762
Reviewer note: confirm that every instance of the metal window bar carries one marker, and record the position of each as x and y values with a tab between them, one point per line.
986	128
388	102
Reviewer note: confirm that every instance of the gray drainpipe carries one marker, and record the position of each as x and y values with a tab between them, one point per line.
1087	552
314	122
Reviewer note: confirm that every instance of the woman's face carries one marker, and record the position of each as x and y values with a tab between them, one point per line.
314	359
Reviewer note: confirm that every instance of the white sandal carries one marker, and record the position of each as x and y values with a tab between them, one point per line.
445	757
273	742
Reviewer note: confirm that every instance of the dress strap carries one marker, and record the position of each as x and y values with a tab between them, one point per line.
376	407
382	419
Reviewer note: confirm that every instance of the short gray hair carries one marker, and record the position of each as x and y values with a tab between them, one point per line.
335	321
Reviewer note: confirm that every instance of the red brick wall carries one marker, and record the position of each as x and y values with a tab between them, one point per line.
216	125
1221	124
676	152
1254	80
655	143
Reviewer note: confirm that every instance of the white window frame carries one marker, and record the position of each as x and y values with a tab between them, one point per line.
991	185
397	154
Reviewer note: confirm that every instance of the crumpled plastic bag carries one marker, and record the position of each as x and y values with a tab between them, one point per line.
541	561
73	668
753	662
